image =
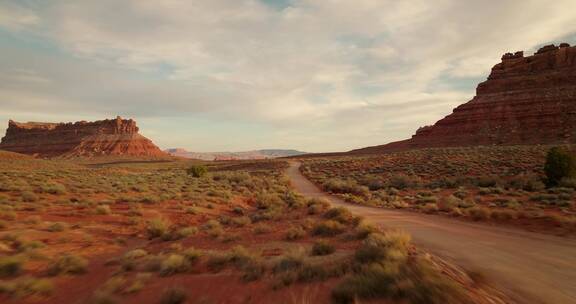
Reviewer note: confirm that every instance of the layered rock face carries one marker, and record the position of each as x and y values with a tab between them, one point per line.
525	100
105	137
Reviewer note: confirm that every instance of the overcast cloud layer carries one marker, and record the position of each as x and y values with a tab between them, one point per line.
313	75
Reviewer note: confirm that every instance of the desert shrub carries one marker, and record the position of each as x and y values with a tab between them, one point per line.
293	200
378	247
10	266
149	200
387	271
173	296
68	264
238	256
363	230
241	221
322	248
211	224
504	215
26	286
340	214
461	194
8	215
57	227
487	181
261	228
28	196
448	203
560	164
291	261
346	186
185	232
403	181
567	182
526	182
321	203
174	263
295	233
415	282
191	210
113	284
57	189
373	183
103	210
197	171
430	208
479	213
427	199
268	201
328	228
239	210
253	272
135	254
157	227
466	203
103	297
191	254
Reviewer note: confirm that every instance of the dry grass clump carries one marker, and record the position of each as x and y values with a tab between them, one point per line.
242	259
173	296
11	266
322	247
68	264
328	228
385	270
26	286
346	187
295	233
479	213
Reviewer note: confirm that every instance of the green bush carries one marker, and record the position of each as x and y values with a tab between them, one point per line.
197	171
560	164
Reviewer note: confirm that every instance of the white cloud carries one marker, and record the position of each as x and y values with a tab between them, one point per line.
312	72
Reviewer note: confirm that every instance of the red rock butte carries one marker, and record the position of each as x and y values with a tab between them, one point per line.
87	139
525	100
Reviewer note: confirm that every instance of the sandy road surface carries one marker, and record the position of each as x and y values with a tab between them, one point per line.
530	267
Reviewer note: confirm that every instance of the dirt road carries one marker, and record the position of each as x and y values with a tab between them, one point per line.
531	267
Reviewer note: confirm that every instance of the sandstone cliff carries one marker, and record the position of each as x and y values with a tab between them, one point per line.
105	137
525	100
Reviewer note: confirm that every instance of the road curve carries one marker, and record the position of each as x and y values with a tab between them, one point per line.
529	267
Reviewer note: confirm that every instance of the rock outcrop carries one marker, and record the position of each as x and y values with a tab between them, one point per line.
525	100
105	137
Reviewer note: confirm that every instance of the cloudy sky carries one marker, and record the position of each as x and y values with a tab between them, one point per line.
231	75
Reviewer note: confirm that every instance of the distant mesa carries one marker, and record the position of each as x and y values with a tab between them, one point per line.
114	137
524	101
246	155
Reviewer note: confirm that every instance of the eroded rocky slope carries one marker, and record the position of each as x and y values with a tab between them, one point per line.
525	100
105	137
